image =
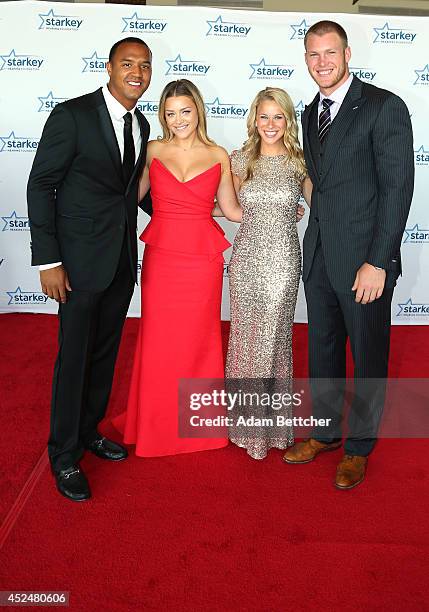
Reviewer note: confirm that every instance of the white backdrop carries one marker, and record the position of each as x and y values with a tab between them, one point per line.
50	52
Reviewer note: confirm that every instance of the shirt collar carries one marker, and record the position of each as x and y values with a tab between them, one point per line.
339	94
114	107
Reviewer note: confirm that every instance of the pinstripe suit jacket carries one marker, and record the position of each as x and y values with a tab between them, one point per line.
362	184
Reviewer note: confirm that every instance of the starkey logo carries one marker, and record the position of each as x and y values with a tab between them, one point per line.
412	309
421	156
386	34
364	74
416	235
146	25
262	70
148	107
219	27
20	61
299	30
18	144
422	76
299	109
49	102
94	63
24	298
225	110
15	223
52	21
183	67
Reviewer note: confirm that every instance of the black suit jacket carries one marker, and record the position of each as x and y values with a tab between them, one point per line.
78	203
362	184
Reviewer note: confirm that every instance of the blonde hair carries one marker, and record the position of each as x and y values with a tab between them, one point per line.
183	87
252	146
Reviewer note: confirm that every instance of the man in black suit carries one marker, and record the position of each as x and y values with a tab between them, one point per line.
358	148
82	202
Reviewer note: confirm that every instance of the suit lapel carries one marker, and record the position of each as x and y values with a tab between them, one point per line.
109	135
305	133
342	122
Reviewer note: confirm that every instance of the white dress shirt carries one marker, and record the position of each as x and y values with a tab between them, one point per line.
337	97
116	112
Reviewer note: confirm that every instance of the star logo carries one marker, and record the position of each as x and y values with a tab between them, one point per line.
23	143
190	67
4	140
412	308
420	74
95	63
299	30
137	24
45	16
12	55
26	297
219	26
51	21
20	222
392	34
416	235
262	69
48	102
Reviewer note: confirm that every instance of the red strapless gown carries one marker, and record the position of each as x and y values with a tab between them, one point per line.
179	334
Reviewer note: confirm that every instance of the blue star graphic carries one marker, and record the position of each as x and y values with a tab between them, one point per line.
44	16
50	96
297	27
409	302
418	73
93	56
378	31
411	230
4	139
11	294
127	20
4	58
421	150
255	66
12	216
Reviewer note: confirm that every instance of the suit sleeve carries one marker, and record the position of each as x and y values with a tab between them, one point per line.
394	160
53	158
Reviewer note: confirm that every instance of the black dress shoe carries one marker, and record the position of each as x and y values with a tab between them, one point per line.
107	449
72	483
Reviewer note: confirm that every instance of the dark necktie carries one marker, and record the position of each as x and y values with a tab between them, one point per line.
129	151
325	118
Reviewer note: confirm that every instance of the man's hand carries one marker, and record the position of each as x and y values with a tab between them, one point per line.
55	283
369	283
300	212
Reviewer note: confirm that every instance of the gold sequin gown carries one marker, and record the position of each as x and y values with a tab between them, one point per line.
264	274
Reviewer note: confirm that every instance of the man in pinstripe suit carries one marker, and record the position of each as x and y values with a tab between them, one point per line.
358	148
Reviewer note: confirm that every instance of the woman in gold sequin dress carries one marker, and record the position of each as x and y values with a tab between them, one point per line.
269	175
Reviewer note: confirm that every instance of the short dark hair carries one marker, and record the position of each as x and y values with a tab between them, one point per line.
325	27
129	39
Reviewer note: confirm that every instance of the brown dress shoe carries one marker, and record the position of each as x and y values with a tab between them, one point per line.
350	471
304	452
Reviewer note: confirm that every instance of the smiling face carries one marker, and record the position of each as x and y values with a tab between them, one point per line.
181	116
130	72
327	61
270	122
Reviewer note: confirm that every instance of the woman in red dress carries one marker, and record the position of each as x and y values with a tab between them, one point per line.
182	270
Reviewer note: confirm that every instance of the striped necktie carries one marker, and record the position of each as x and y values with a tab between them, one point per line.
325	119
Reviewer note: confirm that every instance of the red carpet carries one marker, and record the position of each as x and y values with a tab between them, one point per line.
212	531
